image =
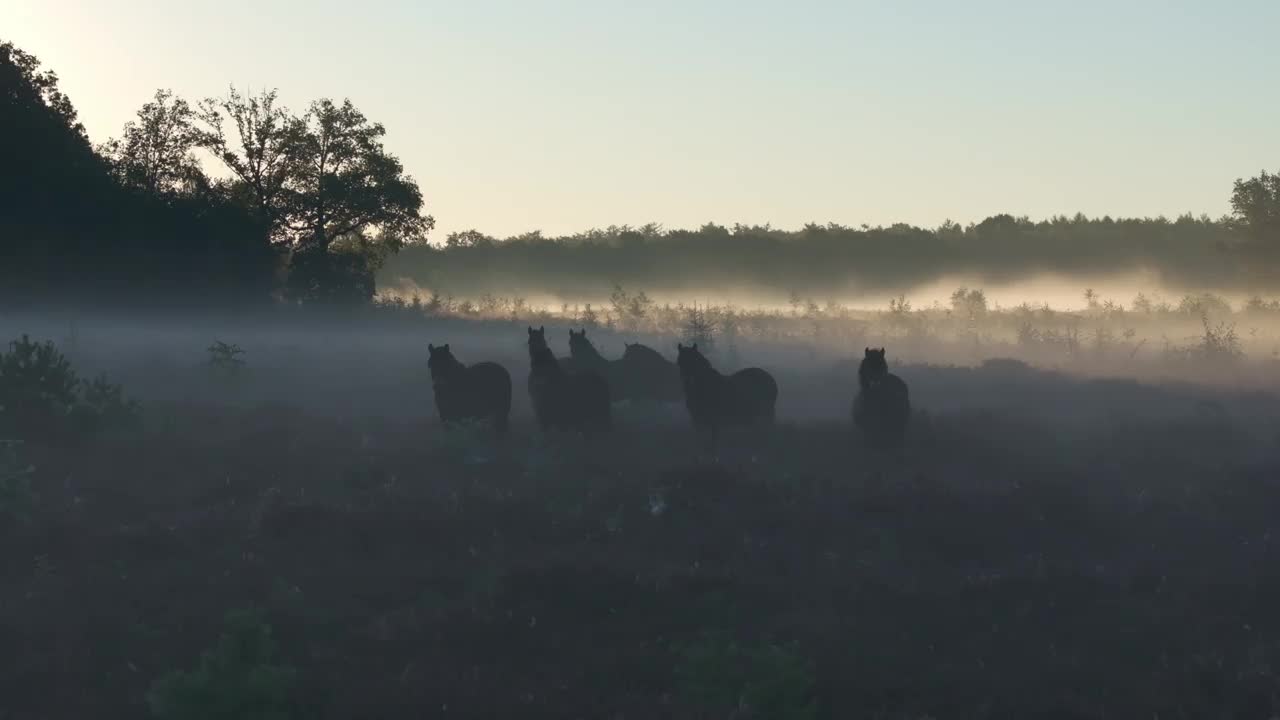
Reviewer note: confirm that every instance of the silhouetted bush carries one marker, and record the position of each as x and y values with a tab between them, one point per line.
225	359
42	397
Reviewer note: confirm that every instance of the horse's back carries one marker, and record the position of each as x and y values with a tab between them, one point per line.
883	411
491	380
643	355
757	390
643	374
897	388
490	388
490	373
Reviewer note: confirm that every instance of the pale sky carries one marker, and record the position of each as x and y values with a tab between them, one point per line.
516	115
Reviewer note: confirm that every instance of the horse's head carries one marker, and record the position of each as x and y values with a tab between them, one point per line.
440	359
538	339
690	359
874	365
579	345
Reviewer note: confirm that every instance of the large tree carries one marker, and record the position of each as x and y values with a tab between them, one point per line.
53	188
323	185
46	153
259	154
346	182
72	231
314	178
1255	205
156	152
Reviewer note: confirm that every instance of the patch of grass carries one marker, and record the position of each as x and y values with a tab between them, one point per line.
465	441
238	678
720	675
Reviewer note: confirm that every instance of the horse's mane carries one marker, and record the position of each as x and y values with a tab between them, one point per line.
543	357
580	343
693	361
442	360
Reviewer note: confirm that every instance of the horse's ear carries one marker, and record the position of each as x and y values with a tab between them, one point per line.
542	328
530	330
446	347
695	346
866	351
680	347
431	348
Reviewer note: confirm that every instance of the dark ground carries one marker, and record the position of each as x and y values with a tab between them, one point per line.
1043	548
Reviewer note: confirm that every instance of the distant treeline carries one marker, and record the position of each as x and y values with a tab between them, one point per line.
1187	251
310	208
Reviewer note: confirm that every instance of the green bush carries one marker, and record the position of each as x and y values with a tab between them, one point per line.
237	678
42	397
224	359
37	388
767	681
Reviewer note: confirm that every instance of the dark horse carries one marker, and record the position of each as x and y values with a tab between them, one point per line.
883	406
479	392
658	377
641	375
747	397
565	400
584	356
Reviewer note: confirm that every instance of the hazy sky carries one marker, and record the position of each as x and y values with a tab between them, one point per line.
515	115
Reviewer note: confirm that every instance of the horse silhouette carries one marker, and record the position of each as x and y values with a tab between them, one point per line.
479	392
584	356
882	407
567	363
565	400
638	376
656	378
715	400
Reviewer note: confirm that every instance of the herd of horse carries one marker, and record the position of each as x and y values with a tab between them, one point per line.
577	393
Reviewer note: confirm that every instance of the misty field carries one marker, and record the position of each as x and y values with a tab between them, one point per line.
1047	545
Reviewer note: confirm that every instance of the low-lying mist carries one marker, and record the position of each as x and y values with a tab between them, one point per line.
372	361
1059	291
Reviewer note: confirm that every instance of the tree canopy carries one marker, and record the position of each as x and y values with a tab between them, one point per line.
1255	204
156	153
317	195
314	180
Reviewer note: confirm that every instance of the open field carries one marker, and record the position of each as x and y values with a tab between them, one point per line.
1046	546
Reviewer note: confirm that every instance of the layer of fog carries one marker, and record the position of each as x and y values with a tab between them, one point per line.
1058	291
366	366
